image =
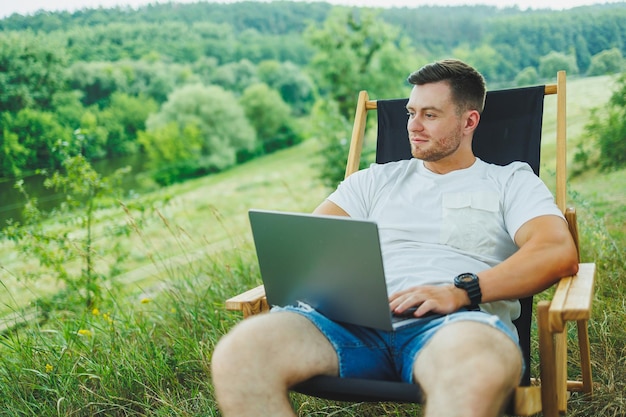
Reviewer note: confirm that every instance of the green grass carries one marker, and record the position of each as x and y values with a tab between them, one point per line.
146	350
147	357
176	224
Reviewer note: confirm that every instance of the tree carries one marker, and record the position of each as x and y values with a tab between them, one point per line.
236	76
608	127
172	151
554	62
332	128
295	86
356	51
123	118
207	117
68	107
487	60
31	71
13	154
270	116
91	137
100	80
606	62
97	81
40	137
583	57
527	76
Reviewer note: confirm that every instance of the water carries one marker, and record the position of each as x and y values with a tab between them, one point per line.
12	201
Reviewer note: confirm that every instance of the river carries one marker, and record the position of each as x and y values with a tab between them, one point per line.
12	201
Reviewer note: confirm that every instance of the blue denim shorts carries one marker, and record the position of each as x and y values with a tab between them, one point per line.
369	353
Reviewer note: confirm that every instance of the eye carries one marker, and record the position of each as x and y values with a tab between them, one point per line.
410	114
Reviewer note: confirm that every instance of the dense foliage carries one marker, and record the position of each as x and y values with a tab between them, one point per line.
607	126
87	82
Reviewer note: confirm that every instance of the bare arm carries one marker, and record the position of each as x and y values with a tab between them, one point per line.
330	209
547	252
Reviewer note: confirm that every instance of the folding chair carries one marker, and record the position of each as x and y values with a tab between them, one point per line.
509	130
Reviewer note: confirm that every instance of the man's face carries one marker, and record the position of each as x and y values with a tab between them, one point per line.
435	129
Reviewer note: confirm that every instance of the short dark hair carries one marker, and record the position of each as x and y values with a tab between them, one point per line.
467	85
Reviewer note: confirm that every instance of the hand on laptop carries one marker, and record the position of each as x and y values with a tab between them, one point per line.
426	299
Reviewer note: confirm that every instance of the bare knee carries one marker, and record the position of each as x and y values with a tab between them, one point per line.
237	352
263	351
477	362
223	357
237	370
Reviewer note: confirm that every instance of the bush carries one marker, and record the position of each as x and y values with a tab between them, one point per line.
608	127
527	76
270	116
556	61
200	129
606	62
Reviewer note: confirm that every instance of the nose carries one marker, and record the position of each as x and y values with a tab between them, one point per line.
414	124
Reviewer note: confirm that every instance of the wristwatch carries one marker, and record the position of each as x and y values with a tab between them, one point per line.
469	282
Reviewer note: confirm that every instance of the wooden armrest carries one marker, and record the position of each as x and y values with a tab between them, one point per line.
572	298
250	302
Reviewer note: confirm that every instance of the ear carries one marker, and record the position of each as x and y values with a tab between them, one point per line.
471	120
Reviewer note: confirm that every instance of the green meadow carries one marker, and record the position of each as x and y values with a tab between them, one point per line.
145	349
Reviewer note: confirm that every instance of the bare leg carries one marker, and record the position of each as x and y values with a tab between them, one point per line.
255	364
468	369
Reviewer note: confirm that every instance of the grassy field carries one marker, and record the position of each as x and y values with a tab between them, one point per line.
145	349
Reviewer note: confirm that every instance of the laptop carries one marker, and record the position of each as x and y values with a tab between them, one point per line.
332	263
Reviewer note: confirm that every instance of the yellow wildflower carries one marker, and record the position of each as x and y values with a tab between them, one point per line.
145	300
95	312
85	332
107	317
49	368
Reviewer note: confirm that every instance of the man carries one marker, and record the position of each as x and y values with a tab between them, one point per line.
455	233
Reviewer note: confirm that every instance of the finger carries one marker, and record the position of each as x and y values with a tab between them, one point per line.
396	304
407	301
428	306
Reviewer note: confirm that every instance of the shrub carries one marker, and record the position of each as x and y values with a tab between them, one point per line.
200	129
608	127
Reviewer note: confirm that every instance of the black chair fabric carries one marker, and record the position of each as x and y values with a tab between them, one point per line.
509	130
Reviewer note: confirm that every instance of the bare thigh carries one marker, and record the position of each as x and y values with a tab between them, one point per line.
468	346
284	347
468	368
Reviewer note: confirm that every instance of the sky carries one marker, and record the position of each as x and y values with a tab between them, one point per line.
8	7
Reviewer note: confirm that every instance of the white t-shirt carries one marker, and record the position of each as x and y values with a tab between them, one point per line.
433	227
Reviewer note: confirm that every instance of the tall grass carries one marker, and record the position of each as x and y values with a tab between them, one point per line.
139	356
148	353
607	328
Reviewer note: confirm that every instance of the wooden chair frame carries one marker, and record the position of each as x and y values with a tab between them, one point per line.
571	301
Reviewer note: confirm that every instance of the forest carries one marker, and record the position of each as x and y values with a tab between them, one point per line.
197	88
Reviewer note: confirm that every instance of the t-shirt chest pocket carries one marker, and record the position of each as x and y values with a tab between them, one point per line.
471	221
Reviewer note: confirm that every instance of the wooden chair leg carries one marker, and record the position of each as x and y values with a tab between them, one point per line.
585	356
547	364
560	353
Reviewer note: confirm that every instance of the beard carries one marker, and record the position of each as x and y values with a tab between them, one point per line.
437	149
